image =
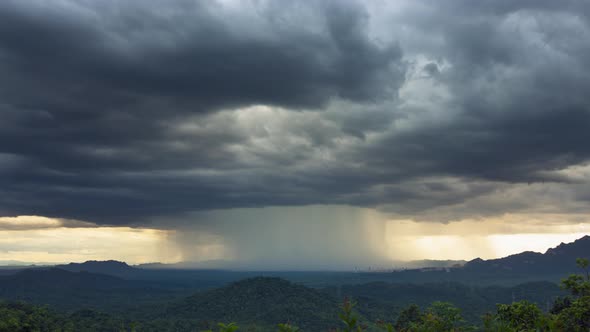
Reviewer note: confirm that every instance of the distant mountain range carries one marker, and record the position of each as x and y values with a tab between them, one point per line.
561	259
552	265
110	267
558	259
165	299
243	266
308	299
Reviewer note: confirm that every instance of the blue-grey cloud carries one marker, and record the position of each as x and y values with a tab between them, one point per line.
121	111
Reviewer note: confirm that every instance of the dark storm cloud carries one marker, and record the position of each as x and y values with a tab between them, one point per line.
85	75
517	75
118	54
513	148
120	112
91	92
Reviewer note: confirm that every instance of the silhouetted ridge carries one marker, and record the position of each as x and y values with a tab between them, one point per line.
561	259
110	267
580	246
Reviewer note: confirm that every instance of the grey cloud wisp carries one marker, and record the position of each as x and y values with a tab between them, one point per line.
125	112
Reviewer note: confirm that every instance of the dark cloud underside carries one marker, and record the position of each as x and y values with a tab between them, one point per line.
119	111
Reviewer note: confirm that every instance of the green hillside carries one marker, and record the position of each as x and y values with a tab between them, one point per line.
263	301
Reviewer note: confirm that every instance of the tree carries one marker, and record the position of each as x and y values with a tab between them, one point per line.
408	317
579	284
441	316
521	316
349	318
573	314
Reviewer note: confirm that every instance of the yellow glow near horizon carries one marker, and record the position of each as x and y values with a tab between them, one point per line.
487	247
492	238
57	245
45	240
509	244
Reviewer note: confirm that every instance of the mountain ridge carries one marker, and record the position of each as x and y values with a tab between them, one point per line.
106	267
560	258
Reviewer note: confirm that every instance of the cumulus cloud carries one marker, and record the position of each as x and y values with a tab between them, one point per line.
22	223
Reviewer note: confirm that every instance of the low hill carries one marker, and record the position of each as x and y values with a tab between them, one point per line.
262	301
54	278
383	300
69	291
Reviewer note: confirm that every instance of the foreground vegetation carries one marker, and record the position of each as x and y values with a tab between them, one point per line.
568	313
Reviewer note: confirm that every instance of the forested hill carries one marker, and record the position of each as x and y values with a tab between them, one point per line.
58	279
263	301
381	300
65	290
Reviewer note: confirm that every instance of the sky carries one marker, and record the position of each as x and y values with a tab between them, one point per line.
316	134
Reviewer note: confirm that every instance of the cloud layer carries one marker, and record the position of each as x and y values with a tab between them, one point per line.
140	112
